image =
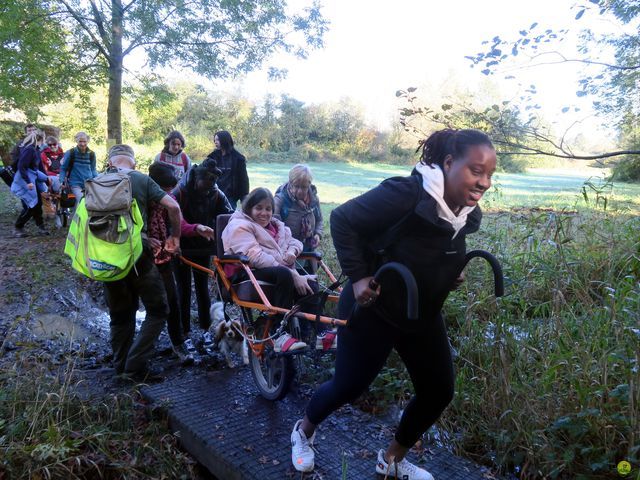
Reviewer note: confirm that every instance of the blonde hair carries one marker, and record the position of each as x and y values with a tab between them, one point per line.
80	135
32	138
300	172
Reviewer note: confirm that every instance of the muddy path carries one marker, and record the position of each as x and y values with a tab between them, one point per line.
54	328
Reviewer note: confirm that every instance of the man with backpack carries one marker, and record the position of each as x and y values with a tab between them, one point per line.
107	241
78	165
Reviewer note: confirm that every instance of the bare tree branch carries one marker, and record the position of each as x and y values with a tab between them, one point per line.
99	23
84	26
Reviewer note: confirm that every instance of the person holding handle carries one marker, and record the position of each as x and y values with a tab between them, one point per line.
424	219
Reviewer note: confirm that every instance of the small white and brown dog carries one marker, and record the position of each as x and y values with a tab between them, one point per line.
227	335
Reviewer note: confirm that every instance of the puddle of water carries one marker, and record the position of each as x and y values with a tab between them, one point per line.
51	325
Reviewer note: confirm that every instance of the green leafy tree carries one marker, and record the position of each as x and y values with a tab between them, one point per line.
293	122
156	105
214	38
36	64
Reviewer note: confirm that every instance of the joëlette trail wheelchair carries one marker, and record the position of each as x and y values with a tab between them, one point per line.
261	322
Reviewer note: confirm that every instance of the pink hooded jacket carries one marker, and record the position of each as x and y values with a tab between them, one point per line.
243	236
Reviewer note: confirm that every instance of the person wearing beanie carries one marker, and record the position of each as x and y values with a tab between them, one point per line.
131	352
201	202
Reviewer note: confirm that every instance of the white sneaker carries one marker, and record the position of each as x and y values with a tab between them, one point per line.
302	455
287	343
403	470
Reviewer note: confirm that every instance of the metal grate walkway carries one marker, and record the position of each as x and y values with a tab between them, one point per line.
236	434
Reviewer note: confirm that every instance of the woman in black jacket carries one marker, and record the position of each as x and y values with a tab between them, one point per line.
201	202
419	221
234	180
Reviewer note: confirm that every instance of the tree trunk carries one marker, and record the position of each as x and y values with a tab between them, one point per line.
114	107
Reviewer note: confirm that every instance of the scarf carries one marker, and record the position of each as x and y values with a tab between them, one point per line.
307	219
433	183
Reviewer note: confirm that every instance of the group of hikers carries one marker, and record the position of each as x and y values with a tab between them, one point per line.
420	221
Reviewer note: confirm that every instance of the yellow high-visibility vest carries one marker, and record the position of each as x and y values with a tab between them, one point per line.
100	259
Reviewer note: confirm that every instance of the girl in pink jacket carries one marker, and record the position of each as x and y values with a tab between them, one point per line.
267	242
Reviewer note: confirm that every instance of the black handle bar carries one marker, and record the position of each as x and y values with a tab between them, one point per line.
409	282
412	288
498	278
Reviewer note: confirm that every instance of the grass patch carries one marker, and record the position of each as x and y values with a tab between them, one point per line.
48	430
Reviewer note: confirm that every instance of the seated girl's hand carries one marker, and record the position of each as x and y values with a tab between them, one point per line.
315	241
300	284
206	232
288	258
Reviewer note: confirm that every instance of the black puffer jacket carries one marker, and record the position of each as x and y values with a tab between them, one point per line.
234	181
200	208
398	221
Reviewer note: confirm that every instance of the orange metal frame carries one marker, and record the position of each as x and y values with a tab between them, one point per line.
265	306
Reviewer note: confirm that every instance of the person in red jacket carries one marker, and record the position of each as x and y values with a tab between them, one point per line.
51	157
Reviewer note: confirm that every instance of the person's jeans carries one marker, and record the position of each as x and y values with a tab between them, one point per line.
132	352
77	191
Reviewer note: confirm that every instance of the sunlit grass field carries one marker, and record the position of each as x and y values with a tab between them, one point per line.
338	182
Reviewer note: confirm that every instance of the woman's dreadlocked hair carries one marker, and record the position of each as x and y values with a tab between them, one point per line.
450	142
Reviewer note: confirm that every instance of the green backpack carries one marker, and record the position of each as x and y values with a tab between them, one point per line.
105	236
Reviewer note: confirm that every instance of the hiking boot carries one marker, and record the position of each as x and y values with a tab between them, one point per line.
327	341
19	233
403	469
287	343
146	375
182	352
302	454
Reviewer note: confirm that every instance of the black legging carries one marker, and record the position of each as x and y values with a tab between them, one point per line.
363	348
27	213
174	325
201	284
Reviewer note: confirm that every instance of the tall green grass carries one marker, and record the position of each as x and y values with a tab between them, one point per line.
548	377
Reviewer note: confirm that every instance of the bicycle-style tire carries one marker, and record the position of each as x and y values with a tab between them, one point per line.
272	372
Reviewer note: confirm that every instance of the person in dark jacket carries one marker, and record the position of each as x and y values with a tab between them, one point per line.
234	180
29	181
15	151
421	222
201	202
